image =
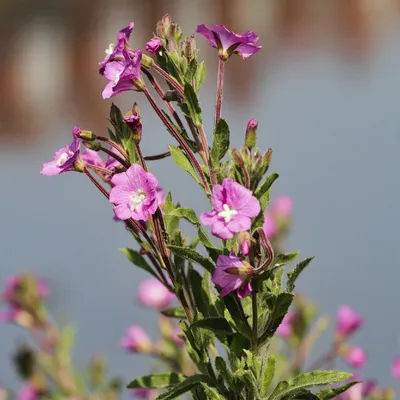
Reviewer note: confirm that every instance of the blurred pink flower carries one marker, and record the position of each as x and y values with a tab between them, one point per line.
269	225
348	321
396	367
283	206
147	394
285	328
136	340
356	357
152	293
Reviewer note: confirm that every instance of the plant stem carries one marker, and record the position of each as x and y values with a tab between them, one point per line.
116	157
158	156
161	93
243	315
328	357
220	89
116	147
100	169
179	139
169	78
206	150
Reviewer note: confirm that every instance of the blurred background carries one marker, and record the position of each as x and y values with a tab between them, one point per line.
326	92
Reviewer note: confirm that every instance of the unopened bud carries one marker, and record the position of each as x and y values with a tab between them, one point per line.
267	157
175	31
237	158
190	47
251	134
87	135
135	125
95	146
97	370
246	154
147	61
244	243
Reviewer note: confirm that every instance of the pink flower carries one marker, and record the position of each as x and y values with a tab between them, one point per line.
396	367
136	340
244	243
147	394
233	208
283	206
355	357
28	392
270	228
93	158
285	328
231	274
160	196
114	51
347	321
153	45
152	293
228	42
175	337
135	124
123	75
134	194
64	159
112	164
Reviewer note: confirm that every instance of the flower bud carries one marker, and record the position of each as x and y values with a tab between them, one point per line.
153	45
267	157
246	154
97	370
136	340
87	135
251	134
134	123
174	31
147	61
244	243
163	25
354	356
190	48
347	322
237	158
95	146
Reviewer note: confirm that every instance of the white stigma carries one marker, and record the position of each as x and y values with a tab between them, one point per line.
137	198
227	213
110	49
117	76
62	159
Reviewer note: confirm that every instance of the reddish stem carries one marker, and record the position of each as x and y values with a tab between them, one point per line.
220	89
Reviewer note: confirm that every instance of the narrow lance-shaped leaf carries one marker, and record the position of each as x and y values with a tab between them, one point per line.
157	381
215	324
137	259
182	160
220	142
193	105
306	380
331	393
177	312
194	256
188	384
293	275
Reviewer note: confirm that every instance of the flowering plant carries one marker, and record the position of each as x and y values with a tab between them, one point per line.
224	339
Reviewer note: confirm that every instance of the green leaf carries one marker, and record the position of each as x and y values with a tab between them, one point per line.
331	393
200	75
182	160
188	384
65	345
194	256
157	381
264	188
280	308
186	213
215	324
224	370
193	105
306	380
137	259
267	374
293	275
283	259
171	222
220	142
211	393
176	312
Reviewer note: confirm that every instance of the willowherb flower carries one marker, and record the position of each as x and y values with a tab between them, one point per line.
233	208
134	194
114	51
13	285
283	206
29	392
93	158
136	340
232	274
244	243
152	293
347	321
285	328
175	335
251	134
146	394
123	75
153	45
270	228
228	42
396	367
355	356
64	159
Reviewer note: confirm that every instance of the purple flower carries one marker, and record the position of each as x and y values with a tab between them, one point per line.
175	335
92	157
13	284
228	42
244	243
233	208
285	328
153	45
270	228
123	75
232	274
160	196
112	164
396	367
355	357
134	122
114	51
152	293
136	340
28	392
64	159
147	394
347	321
134	194
283	206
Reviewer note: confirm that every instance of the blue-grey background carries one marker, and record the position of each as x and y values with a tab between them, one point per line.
330	112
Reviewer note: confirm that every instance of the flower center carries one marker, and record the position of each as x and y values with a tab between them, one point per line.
227	214
137	198
64	157
110	49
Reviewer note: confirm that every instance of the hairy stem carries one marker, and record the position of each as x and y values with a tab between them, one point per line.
116	157
169	79
220	89
116	147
